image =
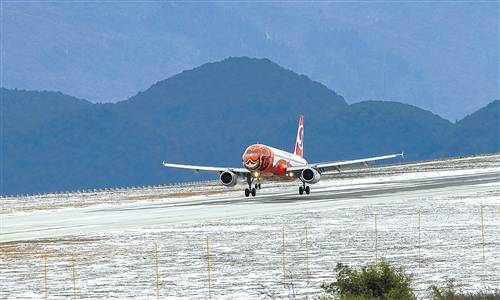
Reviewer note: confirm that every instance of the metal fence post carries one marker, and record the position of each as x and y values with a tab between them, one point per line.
73	269
283	263
208	271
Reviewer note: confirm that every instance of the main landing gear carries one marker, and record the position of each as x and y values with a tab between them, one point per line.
304	188
251	190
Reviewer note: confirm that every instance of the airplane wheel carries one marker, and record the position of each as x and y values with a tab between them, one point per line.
247	192
308	190
260	186
254	192
301	190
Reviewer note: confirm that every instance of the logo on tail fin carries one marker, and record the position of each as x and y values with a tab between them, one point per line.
299	143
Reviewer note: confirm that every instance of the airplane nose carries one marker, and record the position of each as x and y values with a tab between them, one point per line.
252	157
251	161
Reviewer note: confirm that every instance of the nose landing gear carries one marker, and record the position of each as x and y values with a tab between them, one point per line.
305	189
251	190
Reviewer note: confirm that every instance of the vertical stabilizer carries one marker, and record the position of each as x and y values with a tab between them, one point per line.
299	143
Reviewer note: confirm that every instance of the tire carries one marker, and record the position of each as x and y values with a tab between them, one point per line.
301	190
308	190
254	192
247	192
260	186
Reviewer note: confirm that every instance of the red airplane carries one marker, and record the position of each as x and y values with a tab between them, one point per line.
263	162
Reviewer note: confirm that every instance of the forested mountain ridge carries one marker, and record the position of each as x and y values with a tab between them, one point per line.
208	115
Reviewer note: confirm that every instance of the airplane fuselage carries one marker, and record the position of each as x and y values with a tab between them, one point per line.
268	162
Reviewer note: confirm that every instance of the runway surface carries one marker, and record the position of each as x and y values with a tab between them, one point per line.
113	234
50	224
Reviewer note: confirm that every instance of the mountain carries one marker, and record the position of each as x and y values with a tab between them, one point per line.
83	149
379	127
242	95
208	115
363	50
477	133
34	108
221	107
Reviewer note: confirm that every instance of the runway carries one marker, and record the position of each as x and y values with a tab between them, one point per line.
113	233
328	194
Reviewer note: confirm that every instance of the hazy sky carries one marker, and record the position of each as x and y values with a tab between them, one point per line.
439	56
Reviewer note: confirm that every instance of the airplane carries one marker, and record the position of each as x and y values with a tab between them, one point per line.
262	162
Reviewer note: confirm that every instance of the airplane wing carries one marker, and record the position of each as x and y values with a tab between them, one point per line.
342	165
206	168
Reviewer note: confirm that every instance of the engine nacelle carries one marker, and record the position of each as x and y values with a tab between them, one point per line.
310	176
228	178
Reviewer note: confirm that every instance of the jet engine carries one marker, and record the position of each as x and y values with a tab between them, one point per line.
228	178
310	176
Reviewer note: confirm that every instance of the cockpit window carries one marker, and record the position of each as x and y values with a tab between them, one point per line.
252	151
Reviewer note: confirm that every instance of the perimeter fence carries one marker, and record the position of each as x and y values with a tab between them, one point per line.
294	256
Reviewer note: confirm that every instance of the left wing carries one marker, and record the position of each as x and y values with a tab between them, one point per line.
342	165
206	168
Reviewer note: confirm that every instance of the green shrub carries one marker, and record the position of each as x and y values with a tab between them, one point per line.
449	292
443	293
374	281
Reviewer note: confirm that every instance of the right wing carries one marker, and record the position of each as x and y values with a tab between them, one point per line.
342	165
206	168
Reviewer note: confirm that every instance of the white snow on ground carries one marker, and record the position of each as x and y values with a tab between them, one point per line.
113	235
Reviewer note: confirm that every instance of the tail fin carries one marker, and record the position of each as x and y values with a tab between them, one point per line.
299	143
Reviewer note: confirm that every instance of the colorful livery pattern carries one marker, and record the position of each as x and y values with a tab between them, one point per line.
270	162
